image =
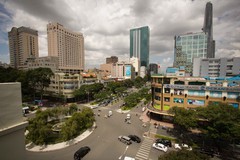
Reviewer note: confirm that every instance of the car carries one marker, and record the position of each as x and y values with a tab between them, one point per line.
128	116
94	106
128	158
125	139
135	138
79	154
182	146
165	142
160	147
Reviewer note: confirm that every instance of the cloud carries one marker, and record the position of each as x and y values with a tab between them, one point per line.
106	24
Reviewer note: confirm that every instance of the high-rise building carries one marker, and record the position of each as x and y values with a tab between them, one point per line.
112	59
208	29
68	46
23	44
195	45
187	47
139	45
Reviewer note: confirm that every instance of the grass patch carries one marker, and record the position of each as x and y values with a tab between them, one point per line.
157	106
165	107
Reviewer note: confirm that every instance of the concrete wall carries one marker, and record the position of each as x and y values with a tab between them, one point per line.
10	104
12	126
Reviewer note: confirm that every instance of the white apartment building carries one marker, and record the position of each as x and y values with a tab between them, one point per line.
123	70
68	46
136	64
216	67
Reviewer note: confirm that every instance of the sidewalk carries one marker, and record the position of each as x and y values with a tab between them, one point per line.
51	147
145	119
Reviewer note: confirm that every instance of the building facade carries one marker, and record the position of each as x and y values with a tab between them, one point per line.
12	126
153	68
195	45
112	59
216	67
139	45
187	47
123	70
192	92
68	46
136	64
23	45
44	62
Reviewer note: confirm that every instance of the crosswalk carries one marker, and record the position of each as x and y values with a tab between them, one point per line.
144	149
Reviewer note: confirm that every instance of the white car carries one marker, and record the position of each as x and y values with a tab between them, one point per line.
94	106
128	158
178	146
160	147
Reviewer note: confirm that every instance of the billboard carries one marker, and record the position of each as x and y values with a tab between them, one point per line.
178	100
128	70
195	102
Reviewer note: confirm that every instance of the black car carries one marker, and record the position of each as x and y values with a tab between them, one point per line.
135	138
79	154
165	142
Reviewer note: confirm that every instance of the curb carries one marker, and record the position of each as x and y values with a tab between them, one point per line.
45	148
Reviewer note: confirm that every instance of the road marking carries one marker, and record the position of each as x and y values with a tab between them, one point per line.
144	149
124	152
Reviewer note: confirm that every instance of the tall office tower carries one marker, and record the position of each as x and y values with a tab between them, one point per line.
187	47
208	29
23	44
68	46
112	59
139	45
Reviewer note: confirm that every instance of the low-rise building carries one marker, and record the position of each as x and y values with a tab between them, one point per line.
216	67
191	92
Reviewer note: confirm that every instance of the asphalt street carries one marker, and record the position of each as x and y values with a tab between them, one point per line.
104	141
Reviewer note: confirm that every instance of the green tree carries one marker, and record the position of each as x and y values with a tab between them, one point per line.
113	85
39	79
39	129
184	119
132	100
183	155
102	95
139	82
128	83
73	108
222	121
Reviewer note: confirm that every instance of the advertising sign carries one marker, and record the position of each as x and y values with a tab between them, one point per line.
195	102
128	71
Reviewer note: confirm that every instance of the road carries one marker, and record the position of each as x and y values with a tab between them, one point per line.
103	141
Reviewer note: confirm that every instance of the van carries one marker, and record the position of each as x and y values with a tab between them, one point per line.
125	139
109	113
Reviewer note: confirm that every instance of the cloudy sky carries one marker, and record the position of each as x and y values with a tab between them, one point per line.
105	24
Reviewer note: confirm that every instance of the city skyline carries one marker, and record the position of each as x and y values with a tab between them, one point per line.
106	25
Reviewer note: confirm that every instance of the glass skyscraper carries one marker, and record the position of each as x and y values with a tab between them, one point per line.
139	45
195	45
187	47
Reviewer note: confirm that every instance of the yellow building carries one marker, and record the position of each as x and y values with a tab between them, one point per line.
192	92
